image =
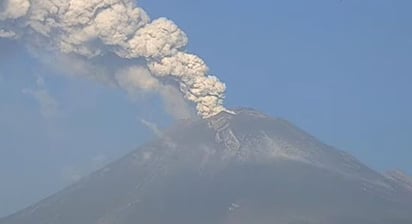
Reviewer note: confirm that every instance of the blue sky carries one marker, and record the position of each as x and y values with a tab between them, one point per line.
338	69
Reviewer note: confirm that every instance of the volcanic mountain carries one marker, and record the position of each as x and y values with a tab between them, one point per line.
238	168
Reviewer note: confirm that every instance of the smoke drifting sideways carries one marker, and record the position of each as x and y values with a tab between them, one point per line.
86	30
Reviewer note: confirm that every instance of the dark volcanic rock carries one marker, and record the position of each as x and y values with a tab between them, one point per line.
244	168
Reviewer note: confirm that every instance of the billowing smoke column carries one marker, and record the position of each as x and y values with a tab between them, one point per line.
92	28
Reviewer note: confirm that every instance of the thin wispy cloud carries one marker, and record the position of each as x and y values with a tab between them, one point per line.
49	106
152	127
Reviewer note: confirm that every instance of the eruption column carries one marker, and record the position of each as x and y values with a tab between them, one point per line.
89	29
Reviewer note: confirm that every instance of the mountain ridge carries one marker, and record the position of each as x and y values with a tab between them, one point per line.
227	169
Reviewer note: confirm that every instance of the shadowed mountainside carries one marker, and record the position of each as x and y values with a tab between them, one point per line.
243	168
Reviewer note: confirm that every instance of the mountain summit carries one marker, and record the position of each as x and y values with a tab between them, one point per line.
230	169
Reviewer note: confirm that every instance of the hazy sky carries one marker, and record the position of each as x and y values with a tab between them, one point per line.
339	69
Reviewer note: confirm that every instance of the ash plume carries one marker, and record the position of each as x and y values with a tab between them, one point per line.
89	29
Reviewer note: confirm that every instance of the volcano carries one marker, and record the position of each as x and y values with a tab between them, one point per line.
238	168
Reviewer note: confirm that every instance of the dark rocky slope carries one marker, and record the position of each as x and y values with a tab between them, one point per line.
243	168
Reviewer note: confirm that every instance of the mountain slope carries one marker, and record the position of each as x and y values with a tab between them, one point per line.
243	168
